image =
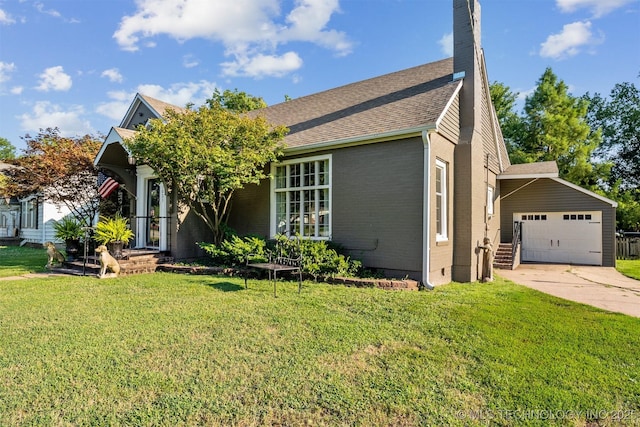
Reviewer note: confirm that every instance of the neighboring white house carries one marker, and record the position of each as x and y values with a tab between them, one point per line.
37	218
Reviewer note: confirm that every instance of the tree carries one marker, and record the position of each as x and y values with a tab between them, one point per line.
202	156
555	128
511	124
239	102
7	151
61	169
619	119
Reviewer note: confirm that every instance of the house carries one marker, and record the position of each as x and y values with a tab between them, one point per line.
404	170
9	211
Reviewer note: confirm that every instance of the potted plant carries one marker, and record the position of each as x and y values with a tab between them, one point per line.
70	230
114	233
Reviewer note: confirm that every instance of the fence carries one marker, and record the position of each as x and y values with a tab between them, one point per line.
627	247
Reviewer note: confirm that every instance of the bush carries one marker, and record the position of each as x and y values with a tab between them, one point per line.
235	250
318	259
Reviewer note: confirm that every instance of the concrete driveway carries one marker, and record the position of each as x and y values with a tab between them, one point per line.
601	287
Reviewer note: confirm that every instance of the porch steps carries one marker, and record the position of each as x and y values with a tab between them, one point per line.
503	258
134	263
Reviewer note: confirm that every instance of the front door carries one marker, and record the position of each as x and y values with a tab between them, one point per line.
153	214
151	220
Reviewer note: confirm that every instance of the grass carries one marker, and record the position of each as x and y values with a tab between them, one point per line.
16	261
168	349
629	268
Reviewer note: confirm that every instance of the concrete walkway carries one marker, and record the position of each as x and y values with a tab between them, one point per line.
602	287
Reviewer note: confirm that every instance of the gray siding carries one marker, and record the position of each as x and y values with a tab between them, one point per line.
449	127
546	195
377	204
250	210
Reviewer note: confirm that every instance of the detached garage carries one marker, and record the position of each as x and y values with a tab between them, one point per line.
559	222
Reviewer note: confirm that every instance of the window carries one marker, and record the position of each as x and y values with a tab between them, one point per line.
490	200
302	194
441	200
30	213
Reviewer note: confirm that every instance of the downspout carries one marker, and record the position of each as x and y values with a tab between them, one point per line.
426	212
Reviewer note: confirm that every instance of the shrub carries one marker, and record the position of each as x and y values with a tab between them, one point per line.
235	250
318	259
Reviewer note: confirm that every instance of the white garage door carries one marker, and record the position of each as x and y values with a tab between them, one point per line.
562	237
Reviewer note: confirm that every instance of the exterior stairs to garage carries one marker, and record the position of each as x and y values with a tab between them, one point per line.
503	258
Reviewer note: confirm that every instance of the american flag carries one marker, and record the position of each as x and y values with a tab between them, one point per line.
106	185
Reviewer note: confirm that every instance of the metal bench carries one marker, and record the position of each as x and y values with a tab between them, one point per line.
277	263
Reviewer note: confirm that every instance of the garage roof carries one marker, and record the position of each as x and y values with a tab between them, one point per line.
531	170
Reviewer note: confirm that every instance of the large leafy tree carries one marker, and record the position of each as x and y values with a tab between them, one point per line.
511	124
234	100
7	150
60	169
203	156
554	127
618	116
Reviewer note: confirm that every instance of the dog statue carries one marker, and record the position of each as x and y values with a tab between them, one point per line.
107	262
53	254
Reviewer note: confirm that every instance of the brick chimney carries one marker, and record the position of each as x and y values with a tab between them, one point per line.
469	187
466	59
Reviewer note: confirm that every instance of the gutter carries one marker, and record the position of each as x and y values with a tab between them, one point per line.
426	209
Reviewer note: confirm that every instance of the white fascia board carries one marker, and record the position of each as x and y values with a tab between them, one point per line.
446	107
360	140
113	137
134	105
551	175
587	192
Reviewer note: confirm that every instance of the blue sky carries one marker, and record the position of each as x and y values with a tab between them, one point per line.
76	64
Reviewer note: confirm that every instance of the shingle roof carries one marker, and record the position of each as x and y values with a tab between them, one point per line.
538	169
159	106
393	102
124	133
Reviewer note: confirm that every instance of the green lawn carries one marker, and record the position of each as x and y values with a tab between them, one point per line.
629	268
16	261
168	349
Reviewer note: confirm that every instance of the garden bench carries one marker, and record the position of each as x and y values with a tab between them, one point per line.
277	263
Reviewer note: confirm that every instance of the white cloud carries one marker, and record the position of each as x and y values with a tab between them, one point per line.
40	8
113	74
179	94
263	65
5	18
118	106
45	114
569	42
597	7
54	78
188	61
446	44
246	28
17	90
6	68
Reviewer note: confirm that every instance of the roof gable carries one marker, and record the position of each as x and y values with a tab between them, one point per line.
144	108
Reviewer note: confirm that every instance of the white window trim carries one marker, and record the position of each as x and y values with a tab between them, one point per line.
490	200
440	165
144	175
273	207
28	220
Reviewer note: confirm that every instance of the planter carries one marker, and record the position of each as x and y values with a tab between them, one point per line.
72	249
115	249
